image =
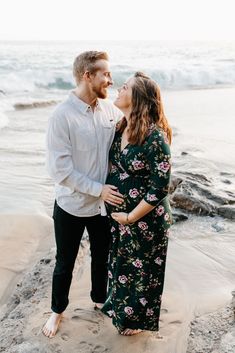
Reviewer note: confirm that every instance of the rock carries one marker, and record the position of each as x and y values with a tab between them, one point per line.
218	226
228	342
233	302
175	182
227	211
28	293
179	216
212	333
198	178
20	106
227	174
192	203
196	194
184	153
226	181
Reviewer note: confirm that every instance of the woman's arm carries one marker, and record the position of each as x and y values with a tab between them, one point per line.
158	156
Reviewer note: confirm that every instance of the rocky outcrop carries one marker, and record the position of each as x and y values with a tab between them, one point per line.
21	106
197	194
213	333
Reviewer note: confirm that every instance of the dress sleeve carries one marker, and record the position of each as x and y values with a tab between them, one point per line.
159	160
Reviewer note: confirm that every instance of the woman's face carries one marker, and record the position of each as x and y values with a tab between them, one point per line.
124	98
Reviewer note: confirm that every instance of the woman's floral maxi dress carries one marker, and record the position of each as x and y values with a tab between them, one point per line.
138	251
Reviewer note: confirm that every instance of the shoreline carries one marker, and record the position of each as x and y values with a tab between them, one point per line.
200	258
34	234
86	330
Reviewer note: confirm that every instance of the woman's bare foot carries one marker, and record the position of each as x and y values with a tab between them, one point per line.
158	335
98	306
130	332
51	326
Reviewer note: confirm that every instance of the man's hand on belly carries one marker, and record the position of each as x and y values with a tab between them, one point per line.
110	195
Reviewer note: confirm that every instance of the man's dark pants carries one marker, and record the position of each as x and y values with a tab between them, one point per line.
68	234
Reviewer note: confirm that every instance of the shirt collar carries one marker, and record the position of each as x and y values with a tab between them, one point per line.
81	105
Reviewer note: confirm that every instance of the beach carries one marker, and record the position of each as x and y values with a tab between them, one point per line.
200	272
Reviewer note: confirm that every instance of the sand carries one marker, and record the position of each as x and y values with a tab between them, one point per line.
200	271
199	281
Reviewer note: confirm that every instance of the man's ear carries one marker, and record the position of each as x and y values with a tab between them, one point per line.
87	75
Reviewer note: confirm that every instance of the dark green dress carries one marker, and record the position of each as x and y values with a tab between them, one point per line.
138	251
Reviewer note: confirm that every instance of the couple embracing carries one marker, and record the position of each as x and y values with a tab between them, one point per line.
111	166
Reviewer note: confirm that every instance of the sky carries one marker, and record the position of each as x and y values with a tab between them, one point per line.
117	20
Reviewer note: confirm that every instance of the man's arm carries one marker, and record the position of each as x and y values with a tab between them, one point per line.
60	164
59	159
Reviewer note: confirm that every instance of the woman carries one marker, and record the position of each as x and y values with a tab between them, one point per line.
140	168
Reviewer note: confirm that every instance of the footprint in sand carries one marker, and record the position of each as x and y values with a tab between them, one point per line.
177	322
94	330
65	337
164	311
78	317
94	318
90	348
91	316
55	347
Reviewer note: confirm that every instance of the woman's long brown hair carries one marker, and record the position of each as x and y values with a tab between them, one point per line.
147	109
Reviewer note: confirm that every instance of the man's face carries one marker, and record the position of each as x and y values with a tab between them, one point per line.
101	79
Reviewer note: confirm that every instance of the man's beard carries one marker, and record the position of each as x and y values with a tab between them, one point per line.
100	93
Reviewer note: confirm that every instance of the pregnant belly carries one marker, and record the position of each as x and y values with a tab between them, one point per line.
133	190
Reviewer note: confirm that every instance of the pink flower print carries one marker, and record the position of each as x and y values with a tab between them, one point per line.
112	229
138	165
158	261
122	279
110	274
149	312
124	229
123	176
151	197
133	193
137	263
128	310
125	151
163	167
143	225
143	301
166	140
167	216
113	168
160	210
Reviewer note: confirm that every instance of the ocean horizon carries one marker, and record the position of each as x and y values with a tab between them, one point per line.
41	71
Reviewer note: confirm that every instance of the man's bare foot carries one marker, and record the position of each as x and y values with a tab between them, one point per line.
51	326
98	306
130	332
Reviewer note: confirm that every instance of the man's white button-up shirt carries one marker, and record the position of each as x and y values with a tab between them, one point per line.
78	143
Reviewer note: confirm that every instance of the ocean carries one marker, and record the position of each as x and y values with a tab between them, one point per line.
196	79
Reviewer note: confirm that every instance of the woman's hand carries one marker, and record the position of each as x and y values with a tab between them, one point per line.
120	217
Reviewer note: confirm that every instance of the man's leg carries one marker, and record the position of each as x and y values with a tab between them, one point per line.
68	233
99	235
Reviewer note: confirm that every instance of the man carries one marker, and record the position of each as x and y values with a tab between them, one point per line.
79	136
